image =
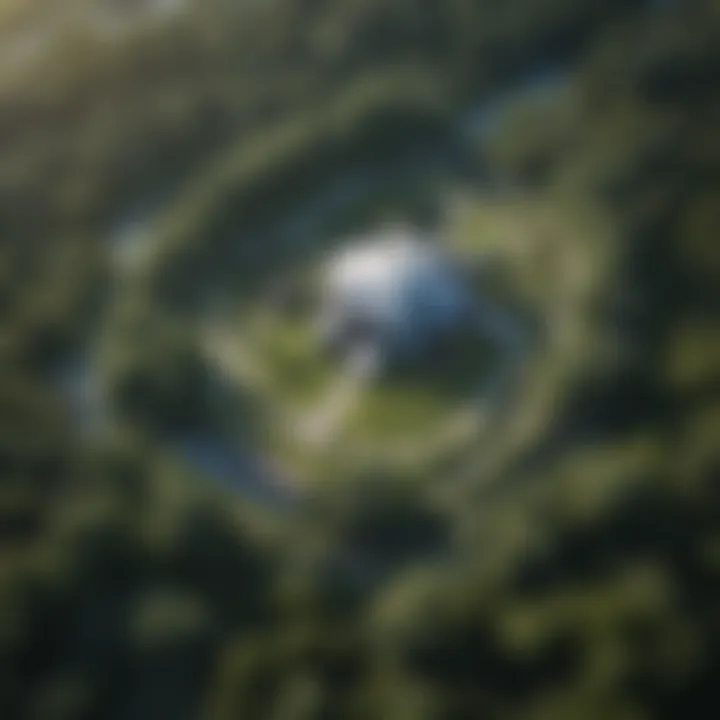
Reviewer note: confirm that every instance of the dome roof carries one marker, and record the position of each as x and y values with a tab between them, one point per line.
392	279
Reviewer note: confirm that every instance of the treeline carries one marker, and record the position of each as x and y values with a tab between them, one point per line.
585	585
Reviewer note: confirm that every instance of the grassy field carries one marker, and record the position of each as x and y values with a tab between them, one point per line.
546	255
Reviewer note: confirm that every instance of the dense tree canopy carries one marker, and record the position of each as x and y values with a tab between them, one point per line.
574	576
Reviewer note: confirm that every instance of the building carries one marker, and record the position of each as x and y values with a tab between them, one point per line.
389	297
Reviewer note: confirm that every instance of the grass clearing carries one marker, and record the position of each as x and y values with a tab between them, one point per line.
396	421
549	256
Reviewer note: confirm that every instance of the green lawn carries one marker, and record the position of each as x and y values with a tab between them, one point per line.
417	413
419	401
403	415
298	373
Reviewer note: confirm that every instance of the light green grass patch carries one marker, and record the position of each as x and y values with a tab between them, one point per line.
298	372
417	415
419	403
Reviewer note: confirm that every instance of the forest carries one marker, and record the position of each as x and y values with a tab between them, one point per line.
161	160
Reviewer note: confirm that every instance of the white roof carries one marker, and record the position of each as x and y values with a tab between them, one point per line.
388	276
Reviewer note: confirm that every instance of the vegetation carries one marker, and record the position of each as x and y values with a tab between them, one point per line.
565	565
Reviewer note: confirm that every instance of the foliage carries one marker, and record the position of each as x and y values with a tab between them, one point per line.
570	573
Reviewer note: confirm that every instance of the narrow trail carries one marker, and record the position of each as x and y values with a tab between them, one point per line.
225	352
321	426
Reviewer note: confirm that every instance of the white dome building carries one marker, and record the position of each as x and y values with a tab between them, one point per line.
388	297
